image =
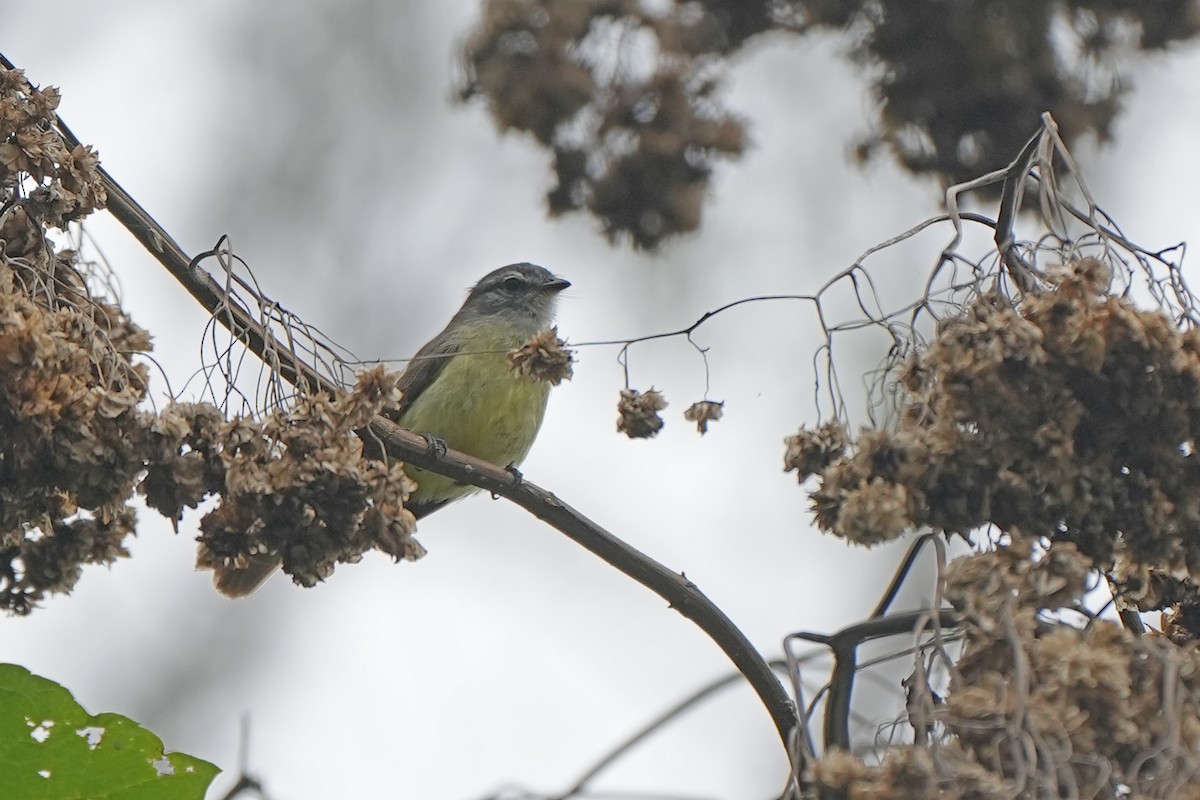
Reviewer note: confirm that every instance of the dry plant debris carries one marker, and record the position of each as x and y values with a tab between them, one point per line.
811	451
627	96
76	440
1071	415
297	487
635	149
638	416
65	182
545	357
69	389
1041	709
1065	422
704	412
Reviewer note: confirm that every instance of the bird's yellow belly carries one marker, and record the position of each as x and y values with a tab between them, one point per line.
480	406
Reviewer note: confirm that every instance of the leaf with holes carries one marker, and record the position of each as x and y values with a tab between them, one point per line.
52	749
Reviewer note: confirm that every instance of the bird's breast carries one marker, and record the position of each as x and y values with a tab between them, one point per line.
478	405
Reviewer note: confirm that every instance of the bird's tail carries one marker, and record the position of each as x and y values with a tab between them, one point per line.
234	582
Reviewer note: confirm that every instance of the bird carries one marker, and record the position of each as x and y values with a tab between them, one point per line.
458	389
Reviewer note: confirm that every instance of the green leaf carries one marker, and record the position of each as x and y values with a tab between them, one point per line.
51	749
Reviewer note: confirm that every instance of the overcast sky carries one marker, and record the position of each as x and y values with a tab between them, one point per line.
322	138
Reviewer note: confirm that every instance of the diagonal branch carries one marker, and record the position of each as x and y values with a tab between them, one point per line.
683	595
198	283
676	589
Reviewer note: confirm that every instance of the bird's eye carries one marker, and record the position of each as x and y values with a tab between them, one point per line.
512	283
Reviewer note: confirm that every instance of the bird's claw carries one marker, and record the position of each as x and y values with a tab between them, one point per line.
435	448
517	477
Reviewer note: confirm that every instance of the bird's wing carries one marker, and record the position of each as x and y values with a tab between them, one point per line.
418	376
423	370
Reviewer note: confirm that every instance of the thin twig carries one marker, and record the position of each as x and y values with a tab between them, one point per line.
647	730
901	574
245	782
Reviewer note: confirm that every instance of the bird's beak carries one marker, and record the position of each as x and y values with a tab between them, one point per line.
555	284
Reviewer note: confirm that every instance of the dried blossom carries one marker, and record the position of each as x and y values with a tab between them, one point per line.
635	148
1069	416
74	437
298	490
1096	689
61	183
183	446
77	442
545	357
809	452
704	412
873	512
638	413
627	95
1024	676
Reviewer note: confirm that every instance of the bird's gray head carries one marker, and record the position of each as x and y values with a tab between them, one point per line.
523	292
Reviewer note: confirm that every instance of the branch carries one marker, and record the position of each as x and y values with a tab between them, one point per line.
579	787
198	283
844	645
676	589
682	595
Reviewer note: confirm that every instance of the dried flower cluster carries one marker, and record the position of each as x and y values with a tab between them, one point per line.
1109	711
294	487
1067	421
625	94
810	451
704	412
1038	708
961	84
59	184
635	146
69	425
638	413
1073	416
74	443
545	357
908	773
70	430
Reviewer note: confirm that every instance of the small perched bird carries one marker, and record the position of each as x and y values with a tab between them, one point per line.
460	389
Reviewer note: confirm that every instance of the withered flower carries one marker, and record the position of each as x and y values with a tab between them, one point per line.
811	451
639	417
704	412
545	357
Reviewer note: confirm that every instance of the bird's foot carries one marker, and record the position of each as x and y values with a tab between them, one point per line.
435	448
517	477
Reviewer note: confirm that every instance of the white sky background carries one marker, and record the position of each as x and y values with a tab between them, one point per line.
323	140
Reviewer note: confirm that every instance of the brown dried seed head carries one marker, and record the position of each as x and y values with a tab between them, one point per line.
704	412
874	512
1083	276
810	452
374	392
639	418
545	357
